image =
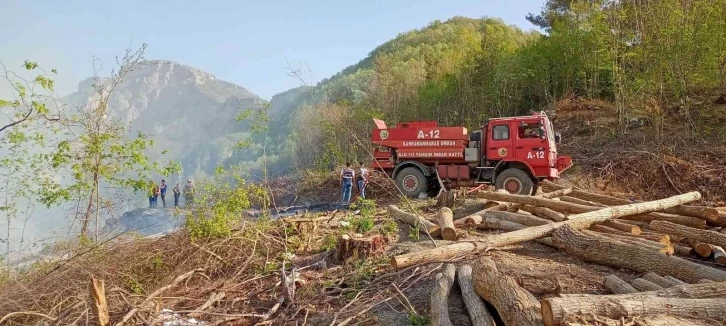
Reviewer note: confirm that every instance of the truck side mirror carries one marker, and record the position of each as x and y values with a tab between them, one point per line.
557	138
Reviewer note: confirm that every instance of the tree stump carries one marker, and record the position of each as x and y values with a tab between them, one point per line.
355	247
446	199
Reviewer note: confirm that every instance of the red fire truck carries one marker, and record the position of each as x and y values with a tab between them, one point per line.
513	153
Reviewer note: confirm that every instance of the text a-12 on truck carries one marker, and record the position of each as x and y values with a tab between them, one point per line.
513	153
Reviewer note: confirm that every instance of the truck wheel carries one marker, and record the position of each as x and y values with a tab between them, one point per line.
514	181
412	182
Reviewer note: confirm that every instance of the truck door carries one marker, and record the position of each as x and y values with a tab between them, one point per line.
531	143
499	144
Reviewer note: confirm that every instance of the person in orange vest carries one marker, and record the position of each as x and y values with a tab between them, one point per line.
346	180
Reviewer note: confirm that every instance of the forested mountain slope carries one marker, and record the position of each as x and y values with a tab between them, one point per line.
655	72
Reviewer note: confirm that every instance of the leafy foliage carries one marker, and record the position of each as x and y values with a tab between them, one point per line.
641	56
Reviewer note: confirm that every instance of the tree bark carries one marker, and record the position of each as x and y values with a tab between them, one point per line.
445	219
616	285
710	237
440	296
705	281
515	305
719	256
423	225
645	285
478	312
579	221
527	220
619	254
555	311
544	212
659	280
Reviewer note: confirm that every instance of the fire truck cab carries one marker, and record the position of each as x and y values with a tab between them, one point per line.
513	153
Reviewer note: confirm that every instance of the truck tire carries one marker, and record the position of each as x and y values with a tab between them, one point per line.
514	181
412	182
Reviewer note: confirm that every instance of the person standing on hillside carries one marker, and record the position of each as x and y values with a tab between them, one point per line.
152	186
189	193
156	196
163	192
177	192
362	180
346	181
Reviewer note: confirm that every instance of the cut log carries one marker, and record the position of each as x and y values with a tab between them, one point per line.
629	239
703	250
351	248
440	296
706	236
659	280
557	205
468	207
528	220
562	206
544	212
478	312
604	229
579	221
693	222
515	305
581	201
616	285
645	285
491	223
642	225
422	224
555	311
719	256
674	280
99	306
477	218
445	219
617	224
619	254
706	213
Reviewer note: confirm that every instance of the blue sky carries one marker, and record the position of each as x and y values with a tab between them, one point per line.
245	42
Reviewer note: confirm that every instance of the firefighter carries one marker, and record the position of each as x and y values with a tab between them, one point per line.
362	180
346	180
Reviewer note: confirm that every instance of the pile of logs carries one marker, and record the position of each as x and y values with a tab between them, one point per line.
675	247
